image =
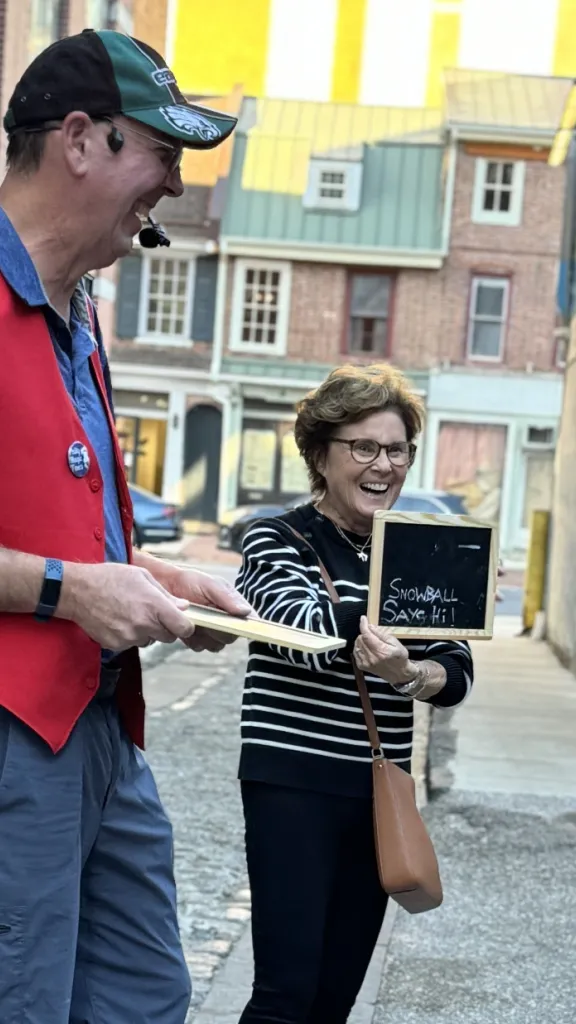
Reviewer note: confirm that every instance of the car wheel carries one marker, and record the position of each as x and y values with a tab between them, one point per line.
239	540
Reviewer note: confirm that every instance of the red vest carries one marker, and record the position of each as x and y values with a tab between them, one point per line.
50	671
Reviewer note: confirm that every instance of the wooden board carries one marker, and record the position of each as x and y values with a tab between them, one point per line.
253	628
433	575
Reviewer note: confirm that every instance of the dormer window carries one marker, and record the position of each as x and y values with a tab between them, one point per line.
334	185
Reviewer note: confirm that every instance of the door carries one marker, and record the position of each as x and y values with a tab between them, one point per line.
271	467
203	436
470	463
143	443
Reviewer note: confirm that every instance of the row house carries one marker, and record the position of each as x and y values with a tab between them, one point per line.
495	392
339	232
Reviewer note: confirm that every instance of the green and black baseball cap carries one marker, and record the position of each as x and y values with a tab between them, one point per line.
107	73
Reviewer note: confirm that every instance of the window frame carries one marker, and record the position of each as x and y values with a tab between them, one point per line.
146	337
477	281
236	344
349	202
502	218
347	336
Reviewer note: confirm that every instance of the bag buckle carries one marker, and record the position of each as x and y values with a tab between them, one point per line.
377	753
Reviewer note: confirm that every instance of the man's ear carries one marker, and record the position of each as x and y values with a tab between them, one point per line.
77	134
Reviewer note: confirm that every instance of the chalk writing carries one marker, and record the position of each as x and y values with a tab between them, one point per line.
434	576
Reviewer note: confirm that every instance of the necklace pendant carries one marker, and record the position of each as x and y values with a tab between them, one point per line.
362	556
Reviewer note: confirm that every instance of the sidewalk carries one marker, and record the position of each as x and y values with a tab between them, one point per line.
502	949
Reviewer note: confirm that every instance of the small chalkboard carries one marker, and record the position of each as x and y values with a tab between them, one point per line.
433	575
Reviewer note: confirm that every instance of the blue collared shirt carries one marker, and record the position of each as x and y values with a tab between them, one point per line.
73	345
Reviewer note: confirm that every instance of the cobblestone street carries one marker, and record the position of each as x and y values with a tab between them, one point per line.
193	746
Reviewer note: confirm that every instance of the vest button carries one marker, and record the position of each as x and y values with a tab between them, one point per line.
92	683
98	533
94	485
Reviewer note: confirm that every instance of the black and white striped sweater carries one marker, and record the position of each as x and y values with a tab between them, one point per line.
302	721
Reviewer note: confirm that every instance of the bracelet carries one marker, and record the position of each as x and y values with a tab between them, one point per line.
51	587
421	687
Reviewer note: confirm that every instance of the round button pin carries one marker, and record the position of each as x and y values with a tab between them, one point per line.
78	459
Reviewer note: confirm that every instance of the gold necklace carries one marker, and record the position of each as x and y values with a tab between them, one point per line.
359	549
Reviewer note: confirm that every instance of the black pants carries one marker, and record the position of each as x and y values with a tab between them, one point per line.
317	903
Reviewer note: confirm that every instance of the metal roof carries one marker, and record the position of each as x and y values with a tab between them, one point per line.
522	104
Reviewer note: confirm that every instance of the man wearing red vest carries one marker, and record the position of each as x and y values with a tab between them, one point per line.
88	927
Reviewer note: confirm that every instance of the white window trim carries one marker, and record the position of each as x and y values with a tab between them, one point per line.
285	291
508	218
476	283
350	201
144	336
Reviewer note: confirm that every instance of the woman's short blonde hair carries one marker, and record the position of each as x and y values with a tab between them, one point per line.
348	395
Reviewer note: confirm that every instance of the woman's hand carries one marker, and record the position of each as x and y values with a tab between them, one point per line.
380	653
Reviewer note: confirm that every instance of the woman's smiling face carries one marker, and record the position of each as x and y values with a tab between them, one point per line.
354	490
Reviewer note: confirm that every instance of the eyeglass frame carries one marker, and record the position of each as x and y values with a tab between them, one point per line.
412	449
50	126
177	151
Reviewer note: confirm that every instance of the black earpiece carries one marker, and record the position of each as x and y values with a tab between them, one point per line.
153	235
115	139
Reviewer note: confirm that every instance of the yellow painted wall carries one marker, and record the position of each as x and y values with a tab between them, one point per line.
348	51
565	53
221	43
224	43
443	53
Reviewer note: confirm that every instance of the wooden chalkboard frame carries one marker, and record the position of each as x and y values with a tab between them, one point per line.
254	628
381	518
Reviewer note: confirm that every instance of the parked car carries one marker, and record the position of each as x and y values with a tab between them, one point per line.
155	520
231	532
438	502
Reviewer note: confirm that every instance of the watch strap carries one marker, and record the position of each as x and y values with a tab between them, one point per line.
50	592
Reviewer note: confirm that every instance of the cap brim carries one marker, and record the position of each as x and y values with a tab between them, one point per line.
194	126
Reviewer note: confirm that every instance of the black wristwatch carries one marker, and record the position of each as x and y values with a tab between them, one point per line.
51	587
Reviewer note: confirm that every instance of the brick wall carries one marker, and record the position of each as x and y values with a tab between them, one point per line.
430	308
540	230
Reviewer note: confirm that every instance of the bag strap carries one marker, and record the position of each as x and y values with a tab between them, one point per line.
368	711
334	595
358	674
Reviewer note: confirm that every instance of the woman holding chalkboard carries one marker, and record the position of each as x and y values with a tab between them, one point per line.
306	764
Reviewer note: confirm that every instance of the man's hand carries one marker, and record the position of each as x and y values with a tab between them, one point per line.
379	653
198	588
121	606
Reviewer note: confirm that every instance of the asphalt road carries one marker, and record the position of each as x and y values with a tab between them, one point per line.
193	739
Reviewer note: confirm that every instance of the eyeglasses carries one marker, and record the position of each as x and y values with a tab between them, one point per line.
173	154
365	451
